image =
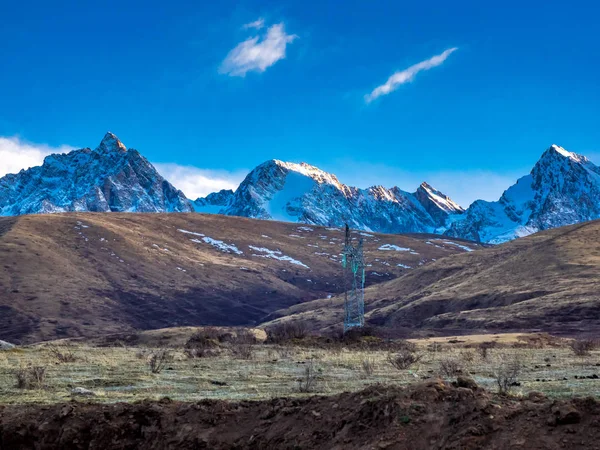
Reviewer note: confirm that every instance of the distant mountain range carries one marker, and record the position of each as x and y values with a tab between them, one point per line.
563	188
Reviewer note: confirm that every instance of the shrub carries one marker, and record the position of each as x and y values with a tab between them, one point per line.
582	347
286	331
403	359
159	359
205	339
62	354
368	366
483	348
467	356
309	379
31	377
507	372
242	344
450	367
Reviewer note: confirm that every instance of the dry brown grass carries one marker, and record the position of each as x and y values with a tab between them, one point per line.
547	281
121	373
85	274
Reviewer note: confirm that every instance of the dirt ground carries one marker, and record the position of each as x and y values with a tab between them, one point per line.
433	415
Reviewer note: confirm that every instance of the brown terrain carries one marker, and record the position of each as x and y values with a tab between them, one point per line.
548	281
432	415
85	274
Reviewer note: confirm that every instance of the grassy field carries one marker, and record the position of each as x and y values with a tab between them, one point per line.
122	373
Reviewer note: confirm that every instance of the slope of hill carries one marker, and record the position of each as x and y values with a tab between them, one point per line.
108	178
547	281
303	193
82	274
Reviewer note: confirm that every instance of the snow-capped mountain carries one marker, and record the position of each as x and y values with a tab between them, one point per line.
213	203
562	189
109	178
285	191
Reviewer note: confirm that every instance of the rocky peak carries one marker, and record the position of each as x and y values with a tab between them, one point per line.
111	143
109	178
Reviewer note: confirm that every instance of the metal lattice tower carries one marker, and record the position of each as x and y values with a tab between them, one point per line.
354	283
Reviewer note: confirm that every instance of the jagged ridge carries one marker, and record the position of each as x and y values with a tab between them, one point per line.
109	178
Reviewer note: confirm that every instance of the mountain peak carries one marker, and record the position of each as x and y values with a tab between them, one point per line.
110	142
439	199
557	150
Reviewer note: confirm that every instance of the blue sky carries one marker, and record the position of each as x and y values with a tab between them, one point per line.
193	88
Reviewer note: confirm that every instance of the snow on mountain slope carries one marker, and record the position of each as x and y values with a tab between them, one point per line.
109	178
285	191
563	188
213	203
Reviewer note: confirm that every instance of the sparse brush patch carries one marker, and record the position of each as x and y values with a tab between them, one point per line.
308	381
242	344
205	339
468	356
159	359
582	347
62	354
435	347
450	367
367	366
283	352
506	372
484	347
404	359
286	331
31	377
192	353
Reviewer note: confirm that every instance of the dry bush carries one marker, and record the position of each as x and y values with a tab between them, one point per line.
484	347
403	359
309	378
159	360
242	344
435	347
204	339
31	377
286	331
192	353
468	356
450	367
62	354
582	347
367	366
506	372
283	352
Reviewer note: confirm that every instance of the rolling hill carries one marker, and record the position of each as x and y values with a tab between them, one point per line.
547	281
85	274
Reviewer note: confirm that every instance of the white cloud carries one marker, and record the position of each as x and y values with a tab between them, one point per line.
16	154
256	53
258	24
407	75
195	182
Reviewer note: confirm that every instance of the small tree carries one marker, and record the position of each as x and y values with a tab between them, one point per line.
506	373
308	381
159	360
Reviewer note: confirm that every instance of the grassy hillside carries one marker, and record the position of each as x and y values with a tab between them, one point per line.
84	274
548	281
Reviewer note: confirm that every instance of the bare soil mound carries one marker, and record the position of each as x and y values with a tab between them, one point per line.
434	415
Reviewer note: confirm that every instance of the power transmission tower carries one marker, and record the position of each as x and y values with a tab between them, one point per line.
354	283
